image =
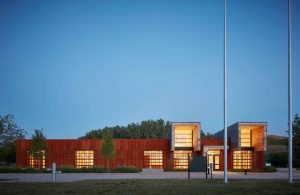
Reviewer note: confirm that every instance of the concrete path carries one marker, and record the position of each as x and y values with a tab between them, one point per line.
69	177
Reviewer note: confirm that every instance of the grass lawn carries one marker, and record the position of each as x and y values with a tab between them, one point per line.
194	186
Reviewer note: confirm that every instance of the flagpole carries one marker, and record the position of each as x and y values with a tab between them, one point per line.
290	144
225	99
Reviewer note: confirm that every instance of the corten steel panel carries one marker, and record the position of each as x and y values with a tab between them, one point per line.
222	160
229	160
128	152
212	142
258	160
62	152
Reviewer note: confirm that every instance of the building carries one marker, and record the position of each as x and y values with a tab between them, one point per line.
247	143
246	147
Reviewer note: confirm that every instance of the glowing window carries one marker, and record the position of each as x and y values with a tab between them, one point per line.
84	158
213	152
181	159
246	137
153	159
37	162
242	159
183	138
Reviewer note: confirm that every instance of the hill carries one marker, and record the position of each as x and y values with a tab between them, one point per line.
277	140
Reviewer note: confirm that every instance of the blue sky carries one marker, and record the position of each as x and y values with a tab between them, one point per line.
73	66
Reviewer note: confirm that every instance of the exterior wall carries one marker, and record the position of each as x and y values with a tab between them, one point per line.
128	151
258	160
232	135
229	160
212	142
22	146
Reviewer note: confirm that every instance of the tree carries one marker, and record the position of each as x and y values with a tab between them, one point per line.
39	147
206	135
9	133
296	140
108	148
148	129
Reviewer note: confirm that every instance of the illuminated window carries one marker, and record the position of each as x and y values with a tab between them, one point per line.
37	162
153	159
181	159
242	159
84	158
183	138
213	152
246	137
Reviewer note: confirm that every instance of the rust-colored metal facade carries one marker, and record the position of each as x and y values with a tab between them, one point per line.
129	152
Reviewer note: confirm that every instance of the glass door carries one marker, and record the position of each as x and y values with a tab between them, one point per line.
216	162
213	156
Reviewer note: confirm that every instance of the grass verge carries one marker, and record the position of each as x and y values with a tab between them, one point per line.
194	186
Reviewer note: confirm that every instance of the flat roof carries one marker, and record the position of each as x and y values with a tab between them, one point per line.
187	122
251	123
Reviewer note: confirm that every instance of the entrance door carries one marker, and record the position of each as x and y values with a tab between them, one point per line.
213	156
215	160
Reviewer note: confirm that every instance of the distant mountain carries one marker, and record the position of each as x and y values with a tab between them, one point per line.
277	140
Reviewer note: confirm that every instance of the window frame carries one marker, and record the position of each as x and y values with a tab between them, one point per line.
180	159
183	140
35	163
242	159
82	160
156	159
246	141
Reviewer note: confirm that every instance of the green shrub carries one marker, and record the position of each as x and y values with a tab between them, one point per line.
175	170
66	169
269	169
296	162
70	169
9	170
130	169
93	170
279	159
22	170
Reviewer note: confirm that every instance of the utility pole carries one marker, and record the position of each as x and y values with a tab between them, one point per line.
225	99
290	144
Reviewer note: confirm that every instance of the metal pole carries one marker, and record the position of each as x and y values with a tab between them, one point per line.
189	168
225	99
53	172
206	165
290	145
211	169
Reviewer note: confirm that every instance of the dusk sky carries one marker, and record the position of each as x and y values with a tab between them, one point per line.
72	66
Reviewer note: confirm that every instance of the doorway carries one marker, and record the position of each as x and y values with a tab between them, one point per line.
213	157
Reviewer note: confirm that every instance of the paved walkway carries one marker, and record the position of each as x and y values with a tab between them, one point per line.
69	177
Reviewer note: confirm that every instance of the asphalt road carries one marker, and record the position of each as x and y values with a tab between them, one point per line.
69	177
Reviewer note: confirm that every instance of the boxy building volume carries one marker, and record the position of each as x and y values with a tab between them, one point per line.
246	147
